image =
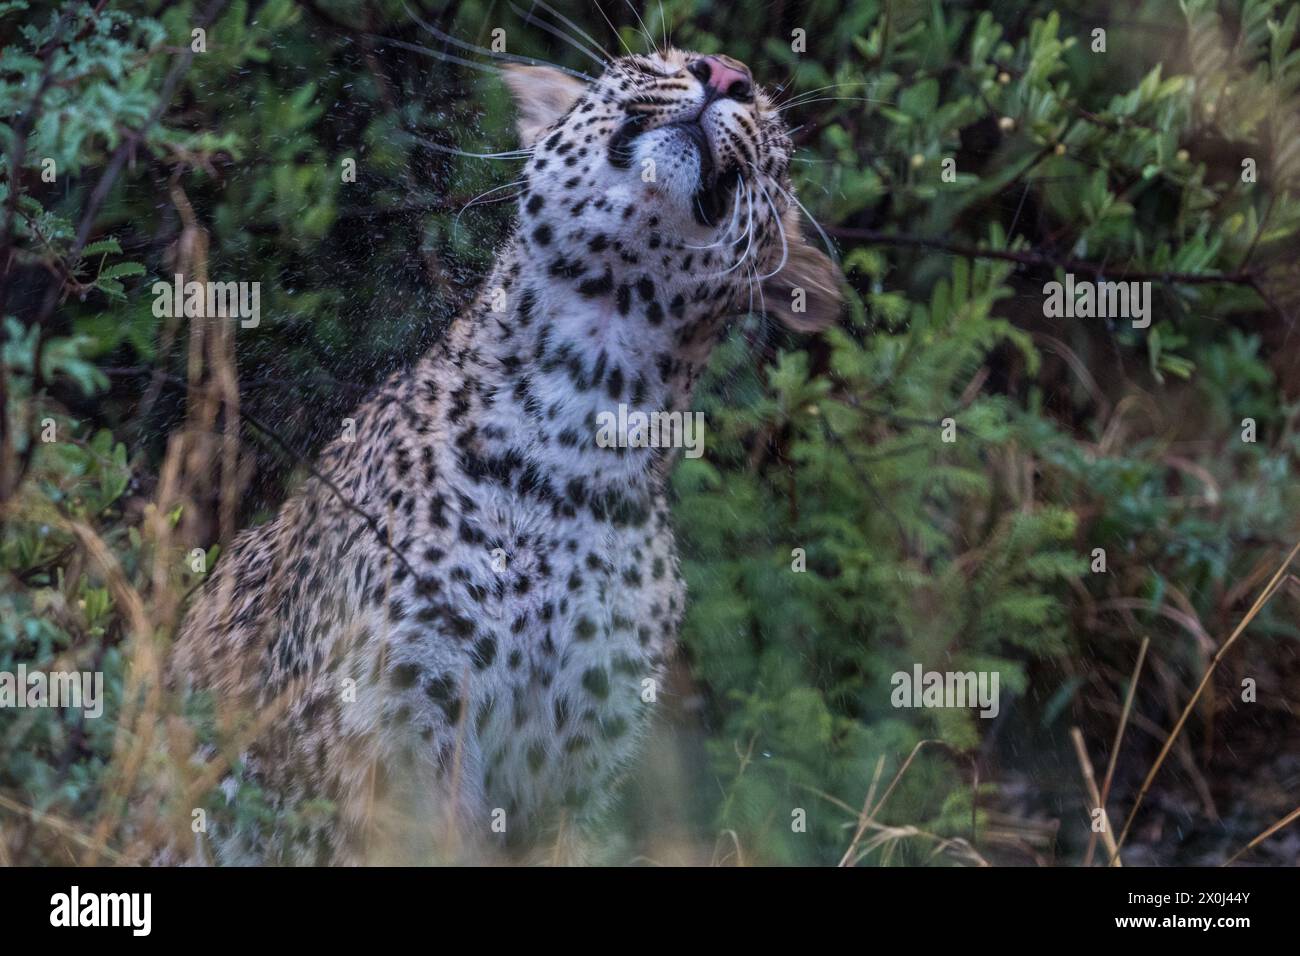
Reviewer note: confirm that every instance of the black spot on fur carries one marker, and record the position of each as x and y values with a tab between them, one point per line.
596	681
600	286
485	651
404	676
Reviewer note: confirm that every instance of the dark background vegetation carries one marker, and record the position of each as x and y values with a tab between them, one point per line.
1074	434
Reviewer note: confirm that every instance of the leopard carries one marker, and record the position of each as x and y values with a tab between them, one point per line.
451	636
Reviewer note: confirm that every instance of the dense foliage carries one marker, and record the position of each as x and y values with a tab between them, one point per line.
927	482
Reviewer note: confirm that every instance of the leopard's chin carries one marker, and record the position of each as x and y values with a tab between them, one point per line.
686	165
713	195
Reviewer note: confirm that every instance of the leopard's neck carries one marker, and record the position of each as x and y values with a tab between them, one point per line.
552	343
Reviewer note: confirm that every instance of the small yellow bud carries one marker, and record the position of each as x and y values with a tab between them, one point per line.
1004	77
1006	124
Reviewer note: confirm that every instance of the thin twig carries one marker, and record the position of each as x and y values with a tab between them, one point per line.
109	177
878	237
301	459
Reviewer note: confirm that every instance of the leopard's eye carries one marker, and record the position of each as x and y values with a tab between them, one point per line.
649	69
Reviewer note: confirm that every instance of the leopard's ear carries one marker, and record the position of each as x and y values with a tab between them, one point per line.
806	295
543	95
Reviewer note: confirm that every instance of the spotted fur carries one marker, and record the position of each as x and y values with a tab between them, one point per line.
497	592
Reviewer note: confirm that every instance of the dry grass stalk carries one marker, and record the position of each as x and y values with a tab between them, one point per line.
1285	821
866	819
1117	743
1090	781
1273	586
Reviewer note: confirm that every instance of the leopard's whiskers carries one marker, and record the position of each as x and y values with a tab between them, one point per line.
482	51
479	200
776	219
645	31
749	232
555	31
613	29
468	64
439	147
751	274
787	134
828	99
749	280
830	249
735	216
574	27
804	94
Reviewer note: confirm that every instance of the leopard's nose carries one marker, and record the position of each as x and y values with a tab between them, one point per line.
724	76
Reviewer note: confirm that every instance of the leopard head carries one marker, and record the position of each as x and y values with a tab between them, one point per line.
676	165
